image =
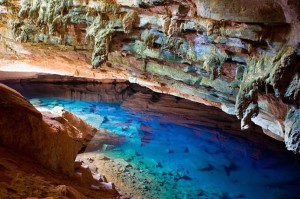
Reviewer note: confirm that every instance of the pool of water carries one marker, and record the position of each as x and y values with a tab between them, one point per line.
188	162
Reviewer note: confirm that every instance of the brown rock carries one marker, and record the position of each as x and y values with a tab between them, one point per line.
52	140
171	59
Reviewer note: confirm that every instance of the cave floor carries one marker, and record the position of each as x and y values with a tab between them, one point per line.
21	177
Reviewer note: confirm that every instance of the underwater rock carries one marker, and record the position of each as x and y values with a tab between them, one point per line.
170	151
230	168
207	168
107	147
186	150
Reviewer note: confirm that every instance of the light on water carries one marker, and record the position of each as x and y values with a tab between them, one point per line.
179	161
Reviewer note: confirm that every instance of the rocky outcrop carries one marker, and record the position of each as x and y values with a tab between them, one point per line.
214	52
52	138
292	130
47	138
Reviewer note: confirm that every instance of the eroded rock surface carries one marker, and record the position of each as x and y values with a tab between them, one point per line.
20	177
292	129
215	52
133	97
52	138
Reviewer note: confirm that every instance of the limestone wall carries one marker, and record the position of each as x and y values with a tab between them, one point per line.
240	56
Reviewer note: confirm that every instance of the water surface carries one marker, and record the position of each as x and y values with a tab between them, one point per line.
189	162
173	146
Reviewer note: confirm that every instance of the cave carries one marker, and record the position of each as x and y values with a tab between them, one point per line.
149	99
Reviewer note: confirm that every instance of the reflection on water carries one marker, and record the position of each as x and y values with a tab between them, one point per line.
179	161
176	148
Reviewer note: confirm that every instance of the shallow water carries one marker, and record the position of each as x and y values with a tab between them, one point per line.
184	162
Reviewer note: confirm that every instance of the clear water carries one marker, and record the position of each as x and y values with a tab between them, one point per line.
184	162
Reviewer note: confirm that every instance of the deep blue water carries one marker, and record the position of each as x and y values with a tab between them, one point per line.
185	162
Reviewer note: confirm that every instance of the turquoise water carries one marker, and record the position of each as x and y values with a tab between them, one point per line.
189	162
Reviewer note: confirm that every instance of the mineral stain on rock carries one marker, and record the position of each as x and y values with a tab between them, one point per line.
241	57
251	49
161	167
161	43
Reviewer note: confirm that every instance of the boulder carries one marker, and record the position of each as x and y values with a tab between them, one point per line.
53	138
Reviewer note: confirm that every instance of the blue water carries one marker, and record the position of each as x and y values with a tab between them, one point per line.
181	161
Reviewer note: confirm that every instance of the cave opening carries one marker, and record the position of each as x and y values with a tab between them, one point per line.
170	147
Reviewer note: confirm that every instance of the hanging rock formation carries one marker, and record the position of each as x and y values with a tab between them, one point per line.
242	57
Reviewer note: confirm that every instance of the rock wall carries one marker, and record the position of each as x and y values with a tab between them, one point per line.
53	138
24	129
242	57
39	148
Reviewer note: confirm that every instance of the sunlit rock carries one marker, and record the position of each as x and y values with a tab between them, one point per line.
157	43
